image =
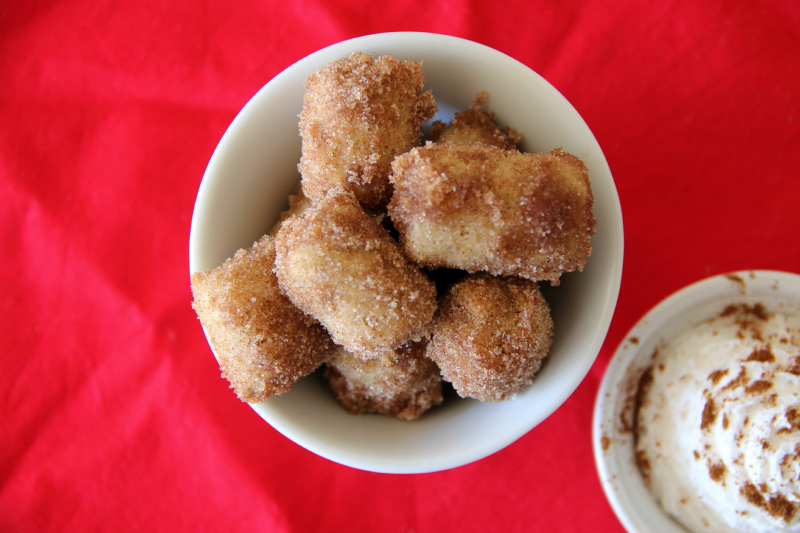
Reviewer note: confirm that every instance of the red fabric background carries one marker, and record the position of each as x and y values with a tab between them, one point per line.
113	416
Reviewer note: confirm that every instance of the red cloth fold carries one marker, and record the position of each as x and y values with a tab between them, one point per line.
114	415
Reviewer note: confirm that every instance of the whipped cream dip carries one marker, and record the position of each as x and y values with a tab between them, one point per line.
717	424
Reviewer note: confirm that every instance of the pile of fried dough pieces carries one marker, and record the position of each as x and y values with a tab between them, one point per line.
403	260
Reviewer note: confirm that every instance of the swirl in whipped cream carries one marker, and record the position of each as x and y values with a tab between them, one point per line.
718	425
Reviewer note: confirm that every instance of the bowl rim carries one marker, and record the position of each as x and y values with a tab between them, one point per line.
622	484
613	230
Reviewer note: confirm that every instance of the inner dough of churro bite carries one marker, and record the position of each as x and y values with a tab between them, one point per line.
339	265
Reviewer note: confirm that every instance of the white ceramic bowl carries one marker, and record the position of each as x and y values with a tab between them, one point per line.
612	441
254	169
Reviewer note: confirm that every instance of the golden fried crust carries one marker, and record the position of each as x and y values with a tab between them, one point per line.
474	126
358	114
339	265
263	342
481	208
403	384
491	335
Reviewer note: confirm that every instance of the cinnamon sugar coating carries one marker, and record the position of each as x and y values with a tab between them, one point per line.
403	384
263	342
340	265
474	126
491	335
359	112
480	208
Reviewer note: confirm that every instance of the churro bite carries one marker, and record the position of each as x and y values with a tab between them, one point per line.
403	384
474	126
339	265
359	112
298	202
263	343
491	335
481	208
